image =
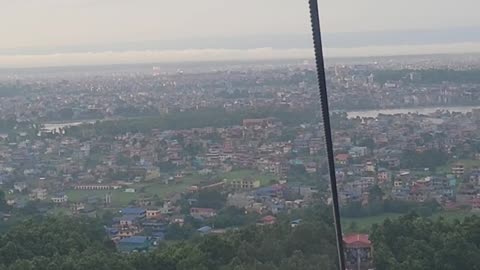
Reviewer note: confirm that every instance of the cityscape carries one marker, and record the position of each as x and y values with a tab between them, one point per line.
162	156
239	135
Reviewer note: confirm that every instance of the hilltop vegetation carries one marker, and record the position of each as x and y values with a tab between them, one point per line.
76	243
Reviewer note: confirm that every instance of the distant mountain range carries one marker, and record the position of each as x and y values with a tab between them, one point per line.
303	40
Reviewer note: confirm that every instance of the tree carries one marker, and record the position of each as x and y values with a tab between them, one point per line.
413	242
211	199
123	160
375	194
3	201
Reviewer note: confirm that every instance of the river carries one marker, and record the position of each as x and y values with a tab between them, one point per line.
428	110
57	126
350	114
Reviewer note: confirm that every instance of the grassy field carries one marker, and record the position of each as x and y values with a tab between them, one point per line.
264	178
468	163
365	223
121	198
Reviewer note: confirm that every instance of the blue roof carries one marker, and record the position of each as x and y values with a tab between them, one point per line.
128	217
296	221
132	211
205	229
134	240
111	231
160	235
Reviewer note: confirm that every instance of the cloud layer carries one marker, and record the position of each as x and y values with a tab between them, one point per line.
202	55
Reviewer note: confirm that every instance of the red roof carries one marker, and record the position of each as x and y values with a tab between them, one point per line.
269	219
342	156
357	240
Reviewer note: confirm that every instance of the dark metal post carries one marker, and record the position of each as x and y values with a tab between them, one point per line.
317	42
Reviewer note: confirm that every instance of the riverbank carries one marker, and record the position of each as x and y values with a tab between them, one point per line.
419	110
350	114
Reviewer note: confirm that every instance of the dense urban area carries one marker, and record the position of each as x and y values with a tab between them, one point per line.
222	165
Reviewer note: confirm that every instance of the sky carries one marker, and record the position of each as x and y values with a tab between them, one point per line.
69	32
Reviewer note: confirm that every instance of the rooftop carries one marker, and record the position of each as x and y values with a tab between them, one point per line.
134	240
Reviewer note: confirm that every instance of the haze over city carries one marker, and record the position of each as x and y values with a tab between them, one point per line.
74	32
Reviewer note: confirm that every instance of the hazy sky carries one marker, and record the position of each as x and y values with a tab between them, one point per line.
54	25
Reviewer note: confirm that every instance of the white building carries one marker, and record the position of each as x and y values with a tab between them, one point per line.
60	198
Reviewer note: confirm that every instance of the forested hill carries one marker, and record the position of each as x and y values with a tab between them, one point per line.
416	243
410	242
74	243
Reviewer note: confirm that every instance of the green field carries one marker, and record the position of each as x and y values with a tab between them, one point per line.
468	163
264	178
365	223
121	198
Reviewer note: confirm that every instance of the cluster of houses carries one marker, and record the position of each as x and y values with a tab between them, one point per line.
136	228
372	152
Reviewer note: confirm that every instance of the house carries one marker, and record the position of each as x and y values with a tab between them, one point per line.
392	162
311	167
60	198
358	151
158	236
88	211
38	194
358	251
204	230
134	243
20	186
201	213
127	220
295	223
133	211
180	220
267	220
383	175
342	159
244	184
475	203
369	166
458	169
239	200
274	191
153	213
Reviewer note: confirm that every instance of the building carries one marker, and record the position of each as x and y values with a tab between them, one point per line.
38	194
127	221
383	175
133	211
358	151
295	223
96	187
358	251
458	169
267	220
202	213
134	243
60	198
20	186
205	230
342	159
153	213
369	166
239	184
